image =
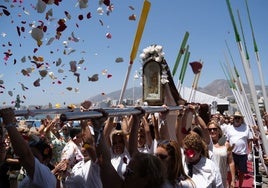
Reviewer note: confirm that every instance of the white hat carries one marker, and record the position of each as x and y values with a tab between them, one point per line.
238	114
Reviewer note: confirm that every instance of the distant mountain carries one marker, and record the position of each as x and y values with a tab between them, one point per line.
218	87
221	87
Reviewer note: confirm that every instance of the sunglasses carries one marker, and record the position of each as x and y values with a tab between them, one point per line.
212	129
237	117
161	156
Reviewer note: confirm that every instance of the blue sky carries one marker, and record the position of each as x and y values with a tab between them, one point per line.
207	21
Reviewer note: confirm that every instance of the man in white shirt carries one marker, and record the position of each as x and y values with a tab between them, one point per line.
240	136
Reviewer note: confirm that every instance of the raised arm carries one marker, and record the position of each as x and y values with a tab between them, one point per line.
203	126
88	138
163	126
155	125
50	124
181	127
2	145
146	124
20	146
133	138
231	165
108	128
109	176
198	119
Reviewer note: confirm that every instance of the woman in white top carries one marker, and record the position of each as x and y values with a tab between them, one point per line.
222	155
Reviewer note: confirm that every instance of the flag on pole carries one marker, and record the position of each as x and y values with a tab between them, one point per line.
183	68
181	52
196	66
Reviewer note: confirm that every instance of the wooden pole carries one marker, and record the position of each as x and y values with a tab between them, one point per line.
136	43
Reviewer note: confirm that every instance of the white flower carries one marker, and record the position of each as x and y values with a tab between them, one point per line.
158	59
158	48
164	81
146	50
155	52
142	55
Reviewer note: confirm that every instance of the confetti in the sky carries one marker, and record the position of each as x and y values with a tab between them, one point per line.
48	32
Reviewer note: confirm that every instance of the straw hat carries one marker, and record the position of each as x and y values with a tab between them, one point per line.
238	114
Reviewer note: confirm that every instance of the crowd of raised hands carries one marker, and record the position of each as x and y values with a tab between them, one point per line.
164	149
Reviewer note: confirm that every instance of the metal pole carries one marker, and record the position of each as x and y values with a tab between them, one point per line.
114	112
76	114
35	112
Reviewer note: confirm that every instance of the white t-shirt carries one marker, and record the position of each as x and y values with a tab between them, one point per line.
71	152
224	127
84	175
239	136
43	178
206	174
120	162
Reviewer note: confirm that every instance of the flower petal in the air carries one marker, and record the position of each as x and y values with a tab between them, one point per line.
119	60
52	76
37	82
43	73
73	67
108	35
93	78
83	4
10	93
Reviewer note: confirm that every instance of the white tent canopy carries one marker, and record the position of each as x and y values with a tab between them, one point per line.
200	97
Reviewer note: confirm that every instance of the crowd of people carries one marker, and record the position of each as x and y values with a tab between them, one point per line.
127	151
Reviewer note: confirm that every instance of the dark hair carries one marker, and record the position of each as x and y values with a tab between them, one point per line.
198	130
151	167
174	167
43	148
74	131
43	120
204	112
